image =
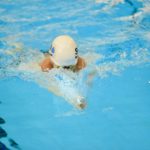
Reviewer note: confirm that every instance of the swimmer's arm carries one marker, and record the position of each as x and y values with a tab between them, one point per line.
80	64
46	64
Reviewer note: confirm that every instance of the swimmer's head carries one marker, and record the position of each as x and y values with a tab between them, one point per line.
64	51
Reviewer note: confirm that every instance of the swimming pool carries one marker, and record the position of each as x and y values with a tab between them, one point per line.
114	36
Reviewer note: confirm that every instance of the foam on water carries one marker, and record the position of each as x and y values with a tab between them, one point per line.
59	81
25	65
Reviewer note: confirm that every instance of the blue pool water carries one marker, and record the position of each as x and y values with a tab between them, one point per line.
113	36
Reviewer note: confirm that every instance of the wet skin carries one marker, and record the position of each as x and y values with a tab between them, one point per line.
47	64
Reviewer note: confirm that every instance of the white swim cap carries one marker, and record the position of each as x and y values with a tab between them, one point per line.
64	51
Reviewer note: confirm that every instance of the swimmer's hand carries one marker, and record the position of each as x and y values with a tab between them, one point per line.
81	103
82	106
46	64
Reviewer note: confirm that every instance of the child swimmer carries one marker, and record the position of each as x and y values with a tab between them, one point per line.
64	54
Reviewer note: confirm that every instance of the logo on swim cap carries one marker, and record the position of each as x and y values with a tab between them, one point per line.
76	53
52	51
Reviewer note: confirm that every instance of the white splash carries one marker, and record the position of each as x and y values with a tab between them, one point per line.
131	17
147	36
137	57
61	82
109	4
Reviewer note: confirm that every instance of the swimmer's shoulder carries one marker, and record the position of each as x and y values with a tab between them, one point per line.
46	64
81	64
